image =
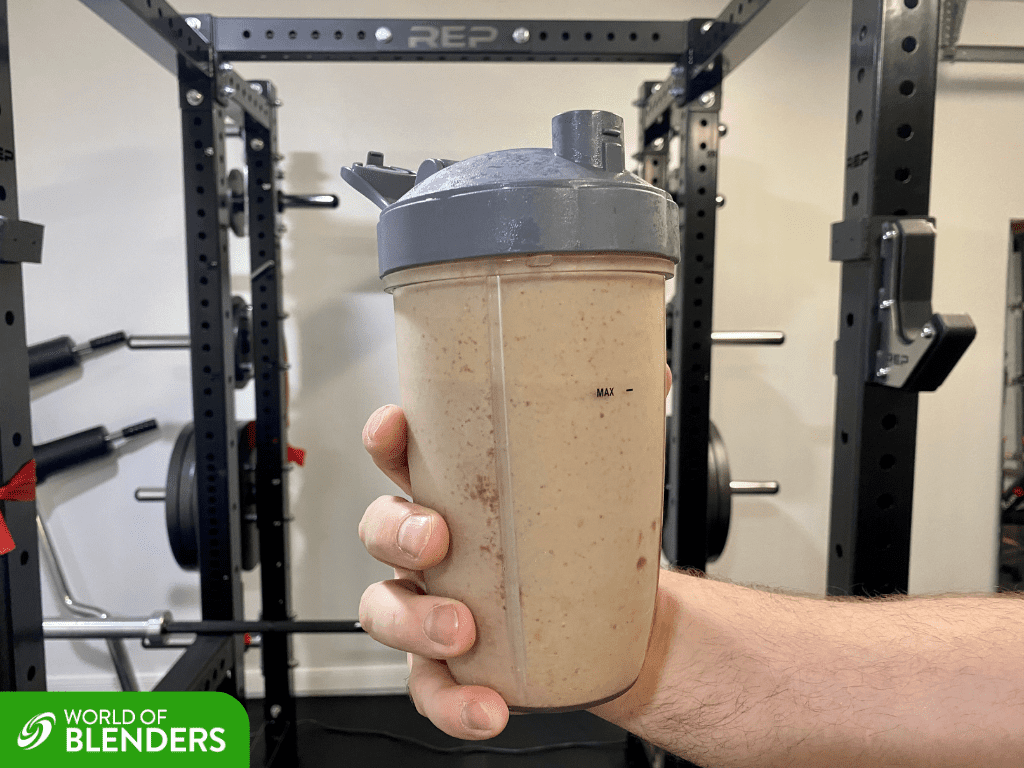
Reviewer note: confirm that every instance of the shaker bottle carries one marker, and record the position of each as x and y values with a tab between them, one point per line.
529	293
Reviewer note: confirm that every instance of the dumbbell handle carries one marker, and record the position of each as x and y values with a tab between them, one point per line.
72	450
751	487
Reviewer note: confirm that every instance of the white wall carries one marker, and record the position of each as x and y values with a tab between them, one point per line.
98	143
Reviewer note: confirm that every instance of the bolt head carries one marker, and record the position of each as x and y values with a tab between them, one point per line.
257	144
720	200
226	66
707	98
723	129
227	90
194	97
258	87
882	373
208	151
706	27
383	35
521	35
275	710
193	22
927	331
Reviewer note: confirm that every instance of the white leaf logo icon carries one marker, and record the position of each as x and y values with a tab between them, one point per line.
36	730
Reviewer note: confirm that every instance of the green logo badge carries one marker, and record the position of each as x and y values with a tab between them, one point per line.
111	729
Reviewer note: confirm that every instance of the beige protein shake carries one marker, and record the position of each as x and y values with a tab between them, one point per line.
533	385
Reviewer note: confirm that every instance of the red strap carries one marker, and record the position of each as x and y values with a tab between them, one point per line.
295	455
22	487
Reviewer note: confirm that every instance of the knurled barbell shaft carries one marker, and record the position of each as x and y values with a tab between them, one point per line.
155	626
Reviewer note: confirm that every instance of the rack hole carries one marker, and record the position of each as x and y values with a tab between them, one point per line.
361	34
907	87
855	198
910	3
632	35
16	439
565	35
849	323
9	318
888	461
844	438
885	501
902	174
889	421
292	35
839	550
270	34
909	44
31	672
543	35
247	34
24	558
859	116
905	131
863	33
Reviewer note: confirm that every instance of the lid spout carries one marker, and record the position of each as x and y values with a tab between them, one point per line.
591	138
380	184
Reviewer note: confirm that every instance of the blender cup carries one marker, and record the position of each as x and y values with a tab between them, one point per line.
529	292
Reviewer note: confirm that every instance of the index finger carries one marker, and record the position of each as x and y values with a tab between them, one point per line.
384	437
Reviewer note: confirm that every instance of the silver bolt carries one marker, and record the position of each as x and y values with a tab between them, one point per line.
282	228
194	97
720	200
208	151
278	103
706	27
707	98
227	90
521	35
658	144
258	87
882	373
889	234
193	22
722	130
279	174
266	186
383	35
278	157
257	144
226	66
656	88
885	304
275	710
927	331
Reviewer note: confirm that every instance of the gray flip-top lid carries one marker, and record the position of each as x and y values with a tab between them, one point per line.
575	197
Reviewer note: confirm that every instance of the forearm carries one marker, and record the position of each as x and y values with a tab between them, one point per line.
737	677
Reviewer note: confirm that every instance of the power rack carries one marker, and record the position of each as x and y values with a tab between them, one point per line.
890	345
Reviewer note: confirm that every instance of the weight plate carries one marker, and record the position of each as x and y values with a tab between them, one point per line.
180	500
719	494
242	329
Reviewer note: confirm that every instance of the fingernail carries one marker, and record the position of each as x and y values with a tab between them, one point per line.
376	418
475	717
413	534
441	624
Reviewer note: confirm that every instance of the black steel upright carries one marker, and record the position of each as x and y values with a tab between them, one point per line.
888	171
213	364
271	427
22	666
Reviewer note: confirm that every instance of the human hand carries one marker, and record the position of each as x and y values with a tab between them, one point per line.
399	613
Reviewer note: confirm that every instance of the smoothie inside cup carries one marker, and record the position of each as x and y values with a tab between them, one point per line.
530	314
